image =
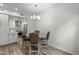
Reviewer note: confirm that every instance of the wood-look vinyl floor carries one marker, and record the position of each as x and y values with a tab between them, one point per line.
14	50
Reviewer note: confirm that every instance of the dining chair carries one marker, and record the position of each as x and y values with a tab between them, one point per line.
25	44
19	40
44	40
37	31
20	34
34	44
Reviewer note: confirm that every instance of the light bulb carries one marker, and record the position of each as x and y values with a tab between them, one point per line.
31	17
16	9
38	18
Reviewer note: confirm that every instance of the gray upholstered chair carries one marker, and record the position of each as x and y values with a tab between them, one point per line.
37	31
45	39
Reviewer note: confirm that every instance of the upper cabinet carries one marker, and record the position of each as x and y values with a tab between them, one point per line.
16	23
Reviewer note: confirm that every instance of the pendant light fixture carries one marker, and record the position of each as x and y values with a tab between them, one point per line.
35	16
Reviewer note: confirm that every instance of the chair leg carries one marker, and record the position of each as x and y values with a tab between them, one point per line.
38	49
44	44
29	49
22	46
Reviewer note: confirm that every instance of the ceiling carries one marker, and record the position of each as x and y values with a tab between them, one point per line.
29	8
26	8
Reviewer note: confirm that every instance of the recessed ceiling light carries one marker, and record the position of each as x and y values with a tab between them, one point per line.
1	4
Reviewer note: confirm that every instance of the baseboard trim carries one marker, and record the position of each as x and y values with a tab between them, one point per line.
62	49
8	44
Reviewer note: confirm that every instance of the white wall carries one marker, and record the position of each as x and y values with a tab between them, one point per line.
62	22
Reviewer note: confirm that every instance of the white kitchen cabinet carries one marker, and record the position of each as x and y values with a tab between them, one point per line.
8	33
12	37
3	29
6	37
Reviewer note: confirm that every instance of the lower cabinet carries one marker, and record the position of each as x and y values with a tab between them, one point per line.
12	37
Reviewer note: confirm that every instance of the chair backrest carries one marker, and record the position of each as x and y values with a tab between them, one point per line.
33	38
20	34
48	34
37	32
24	37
